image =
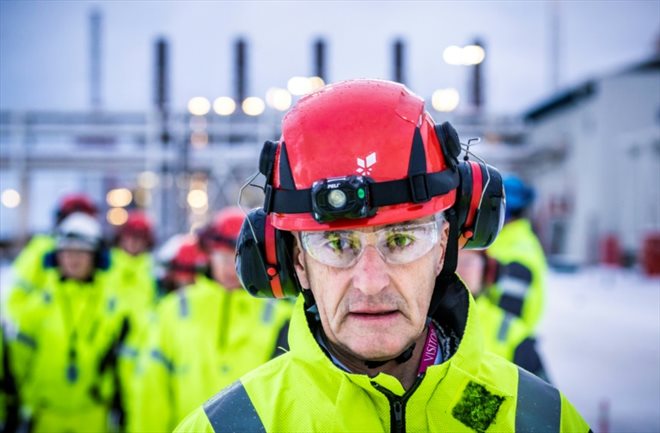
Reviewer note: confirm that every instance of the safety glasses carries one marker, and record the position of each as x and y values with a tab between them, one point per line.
397	244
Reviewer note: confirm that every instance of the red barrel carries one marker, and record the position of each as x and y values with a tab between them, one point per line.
610	250
650	254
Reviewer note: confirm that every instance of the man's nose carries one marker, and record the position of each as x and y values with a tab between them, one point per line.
371	272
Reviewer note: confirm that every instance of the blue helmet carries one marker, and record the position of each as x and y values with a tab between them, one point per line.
519	195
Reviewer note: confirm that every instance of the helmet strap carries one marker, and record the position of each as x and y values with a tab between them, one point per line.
448	273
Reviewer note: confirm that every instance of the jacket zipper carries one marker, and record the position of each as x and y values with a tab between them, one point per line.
398	405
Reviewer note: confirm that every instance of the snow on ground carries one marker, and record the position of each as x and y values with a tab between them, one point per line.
600	340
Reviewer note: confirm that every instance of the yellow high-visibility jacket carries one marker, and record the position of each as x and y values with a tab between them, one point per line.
509	337
28	271
521	283
473	390
64	353
206	338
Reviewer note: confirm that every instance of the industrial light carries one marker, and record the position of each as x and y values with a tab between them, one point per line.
253	106
199	106
119	197
445	99
224	105
10	198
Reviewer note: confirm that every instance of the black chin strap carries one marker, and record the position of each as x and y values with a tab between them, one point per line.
405	356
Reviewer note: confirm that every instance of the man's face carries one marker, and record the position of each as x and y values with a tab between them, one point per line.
75	264
133	245
223	268
373	310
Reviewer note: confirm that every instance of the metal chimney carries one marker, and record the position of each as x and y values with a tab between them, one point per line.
161	97
95	22
240	78
399	52
319	59
476	93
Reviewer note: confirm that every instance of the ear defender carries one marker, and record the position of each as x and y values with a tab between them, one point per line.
480	200
264	264
480	204
449	143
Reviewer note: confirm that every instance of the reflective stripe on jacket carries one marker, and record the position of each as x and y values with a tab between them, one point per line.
471	391
521	282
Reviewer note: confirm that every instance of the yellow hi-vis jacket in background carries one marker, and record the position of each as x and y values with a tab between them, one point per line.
206	338
64	353
28	271
522	272
508	336
472	390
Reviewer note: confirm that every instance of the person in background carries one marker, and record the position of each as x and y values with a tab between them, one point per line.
209	333
28	268
132	261
9	402
365	204
64	352
504	333
520	271
178	262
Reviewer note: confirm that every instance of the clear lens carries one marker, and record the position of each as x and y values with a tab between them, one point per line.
397	244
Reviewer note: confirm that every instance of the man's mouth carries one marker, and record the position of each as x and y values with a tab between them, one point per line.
374	314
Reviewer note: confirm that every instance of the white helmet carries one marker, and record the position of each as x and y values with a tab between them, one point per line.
79	231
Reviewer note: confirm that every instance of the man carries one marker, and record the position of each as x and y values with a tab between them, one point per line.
504	333
64	352
28	268
131	259
365	204
521	271
178	262
208	335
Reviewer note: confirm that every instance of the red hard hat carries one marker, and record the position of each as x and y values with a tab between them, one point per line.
188	260
138	224
75	202
357	128
224	229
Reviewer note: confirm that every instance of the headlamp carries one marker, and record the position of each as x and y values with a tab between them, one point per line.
341	197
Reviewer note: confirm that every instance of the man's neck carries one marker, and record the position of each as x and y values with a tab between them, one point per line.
405	372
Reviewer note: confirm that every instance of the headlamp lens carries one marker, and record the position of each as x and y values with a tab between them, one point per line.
337	199
397	244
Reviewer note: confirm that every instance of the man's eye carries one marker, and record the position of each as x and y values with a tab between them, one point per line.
337	242
399	240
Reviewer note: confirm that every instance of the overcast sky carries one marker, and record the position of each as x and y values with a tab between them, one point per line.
44	46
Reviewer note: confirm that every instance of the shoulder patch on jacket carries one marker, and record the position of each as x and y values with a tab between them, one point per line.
477	407
231	410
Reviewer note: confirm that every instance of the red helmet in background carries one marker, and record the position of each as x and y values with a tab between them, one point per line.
76	202
138	225
223	231
359	129
179	259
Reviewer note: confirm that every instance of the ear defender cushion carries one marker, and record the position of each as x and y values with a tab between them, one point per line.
449	143
267	159
264	264
481	204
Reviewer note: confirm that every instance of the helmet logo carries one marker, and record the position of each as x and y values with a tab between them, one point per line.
365	165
